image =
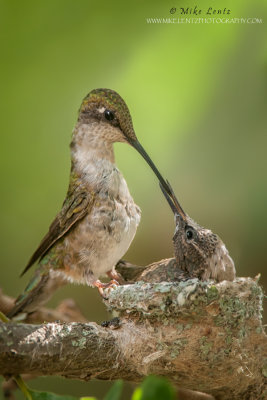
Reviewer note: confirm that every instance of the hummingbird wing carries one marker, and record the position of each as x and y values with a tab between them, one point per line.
76	205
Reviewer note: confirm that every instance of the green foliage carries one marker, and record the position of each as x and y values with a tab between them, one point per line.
115	392
152	388
52	396
36	395
3	317
88	398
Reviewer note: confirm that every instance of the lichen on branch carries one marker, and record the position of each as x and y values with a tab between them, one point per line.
203	336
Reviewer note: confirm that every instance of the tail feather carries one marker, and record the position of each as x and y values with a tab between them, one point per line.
37	293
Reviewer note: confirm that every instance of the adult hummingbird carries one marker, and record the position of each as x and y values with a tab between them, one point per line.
99	218
198	251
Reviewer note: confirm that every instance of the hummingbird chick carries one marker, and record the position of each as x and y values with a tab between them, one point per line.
99	218
198	251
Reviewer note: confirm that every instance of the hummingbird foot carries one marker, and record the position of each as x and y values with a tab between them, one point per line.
101	286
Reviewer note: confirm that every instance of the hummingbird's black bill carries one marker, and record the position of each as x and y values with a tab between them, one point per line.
144	154
172	200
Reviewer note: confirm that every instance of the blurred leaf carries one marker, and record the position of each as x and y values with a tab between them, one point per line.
137	395
115	392
3	317
88	398
154	388
51	396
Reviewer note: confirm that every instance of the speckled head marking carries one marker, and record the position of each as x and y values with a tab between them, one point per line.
198	250
107	105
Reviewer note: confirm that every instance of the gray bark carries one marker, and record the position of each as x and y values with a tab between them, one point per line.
200	335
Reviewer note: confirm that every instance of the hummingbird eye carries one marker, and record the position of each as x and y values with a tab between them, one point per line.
109	115
189	233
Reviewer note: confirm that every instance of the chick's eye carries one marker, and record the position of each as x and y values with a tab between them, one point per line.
109	115
189	234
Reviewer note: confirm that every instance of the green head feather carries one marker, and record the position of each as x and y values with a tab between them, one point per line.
112	101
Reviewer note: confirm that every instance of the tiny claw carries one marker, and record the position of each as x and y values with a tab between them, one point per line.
101	286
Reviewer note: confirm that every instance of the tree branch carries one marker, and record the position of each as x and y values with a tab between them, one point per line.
66	311
202	336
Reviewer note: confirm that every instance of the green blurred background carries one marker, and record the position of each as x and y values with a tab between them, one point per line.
197	95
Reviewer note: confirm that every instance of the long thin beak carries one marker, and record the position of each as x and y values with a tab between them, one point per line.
144	154
173	201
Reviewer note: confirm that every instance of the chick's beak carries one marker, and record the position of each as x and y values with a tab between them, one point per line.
173	201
